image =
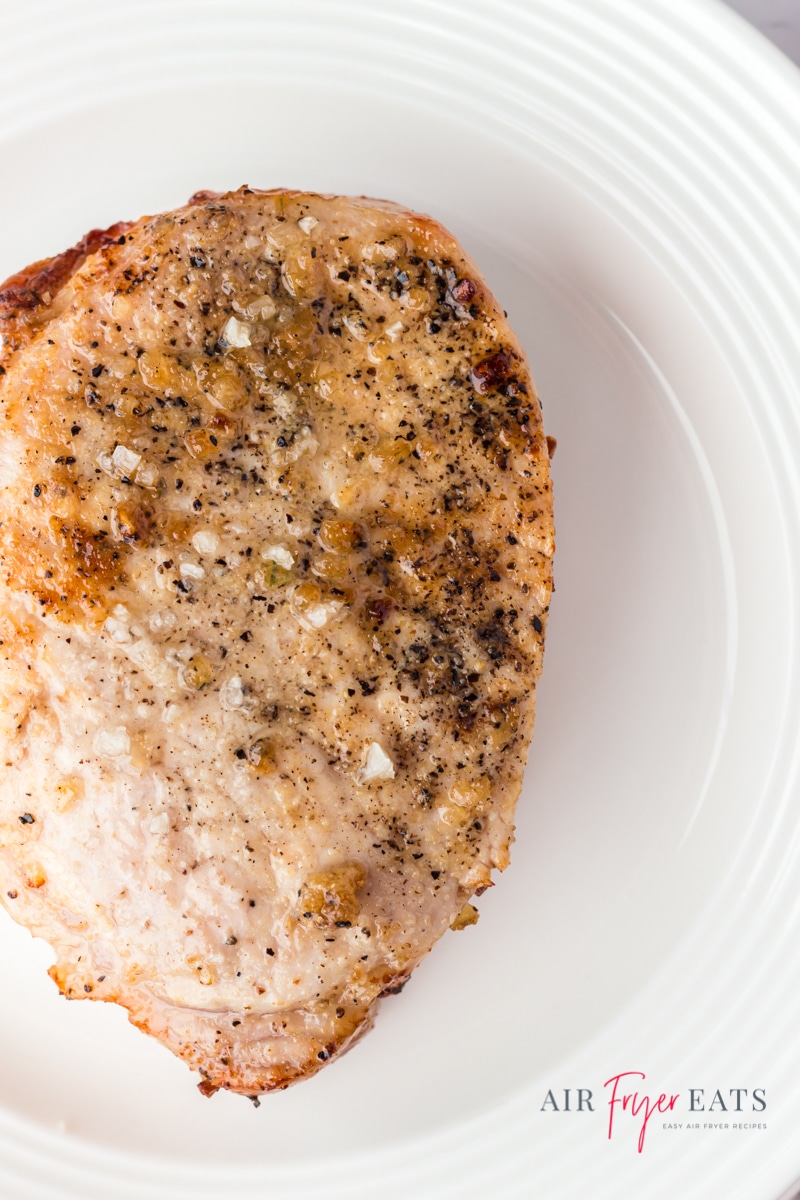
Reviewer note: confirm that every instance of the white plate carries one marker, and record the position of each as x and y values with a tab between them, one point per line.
626	173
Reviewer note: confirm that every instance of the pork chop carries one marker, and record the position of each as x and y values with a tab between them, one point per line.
276	543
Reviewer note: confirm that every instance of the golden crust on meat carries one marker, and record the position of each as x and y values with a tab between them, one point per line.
276	552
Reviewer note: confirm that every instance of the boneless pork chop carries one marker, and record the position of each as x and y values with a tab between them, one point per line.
275	563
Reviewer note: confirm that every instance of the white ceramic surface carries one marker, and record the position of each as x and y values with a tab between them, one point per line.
626	174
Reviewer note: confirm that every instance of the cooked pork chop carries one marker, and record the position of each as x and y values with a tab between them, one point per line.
275	563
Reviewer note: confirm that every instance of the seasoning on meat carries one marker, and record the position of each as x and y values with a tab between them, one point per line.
276	544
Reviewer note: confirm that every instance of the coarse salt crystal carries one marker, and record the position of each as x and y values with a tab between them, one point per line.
205	541
250	242
147	475
316	615
125	461
377	250
190	570
231	694
112	742
284	403
235	333
377	764
307	223
287	279
117	627
160	824
263	307
279	555
394	330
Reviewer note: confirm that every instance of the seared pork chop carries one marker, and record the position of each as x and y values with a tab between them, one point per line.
275	564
